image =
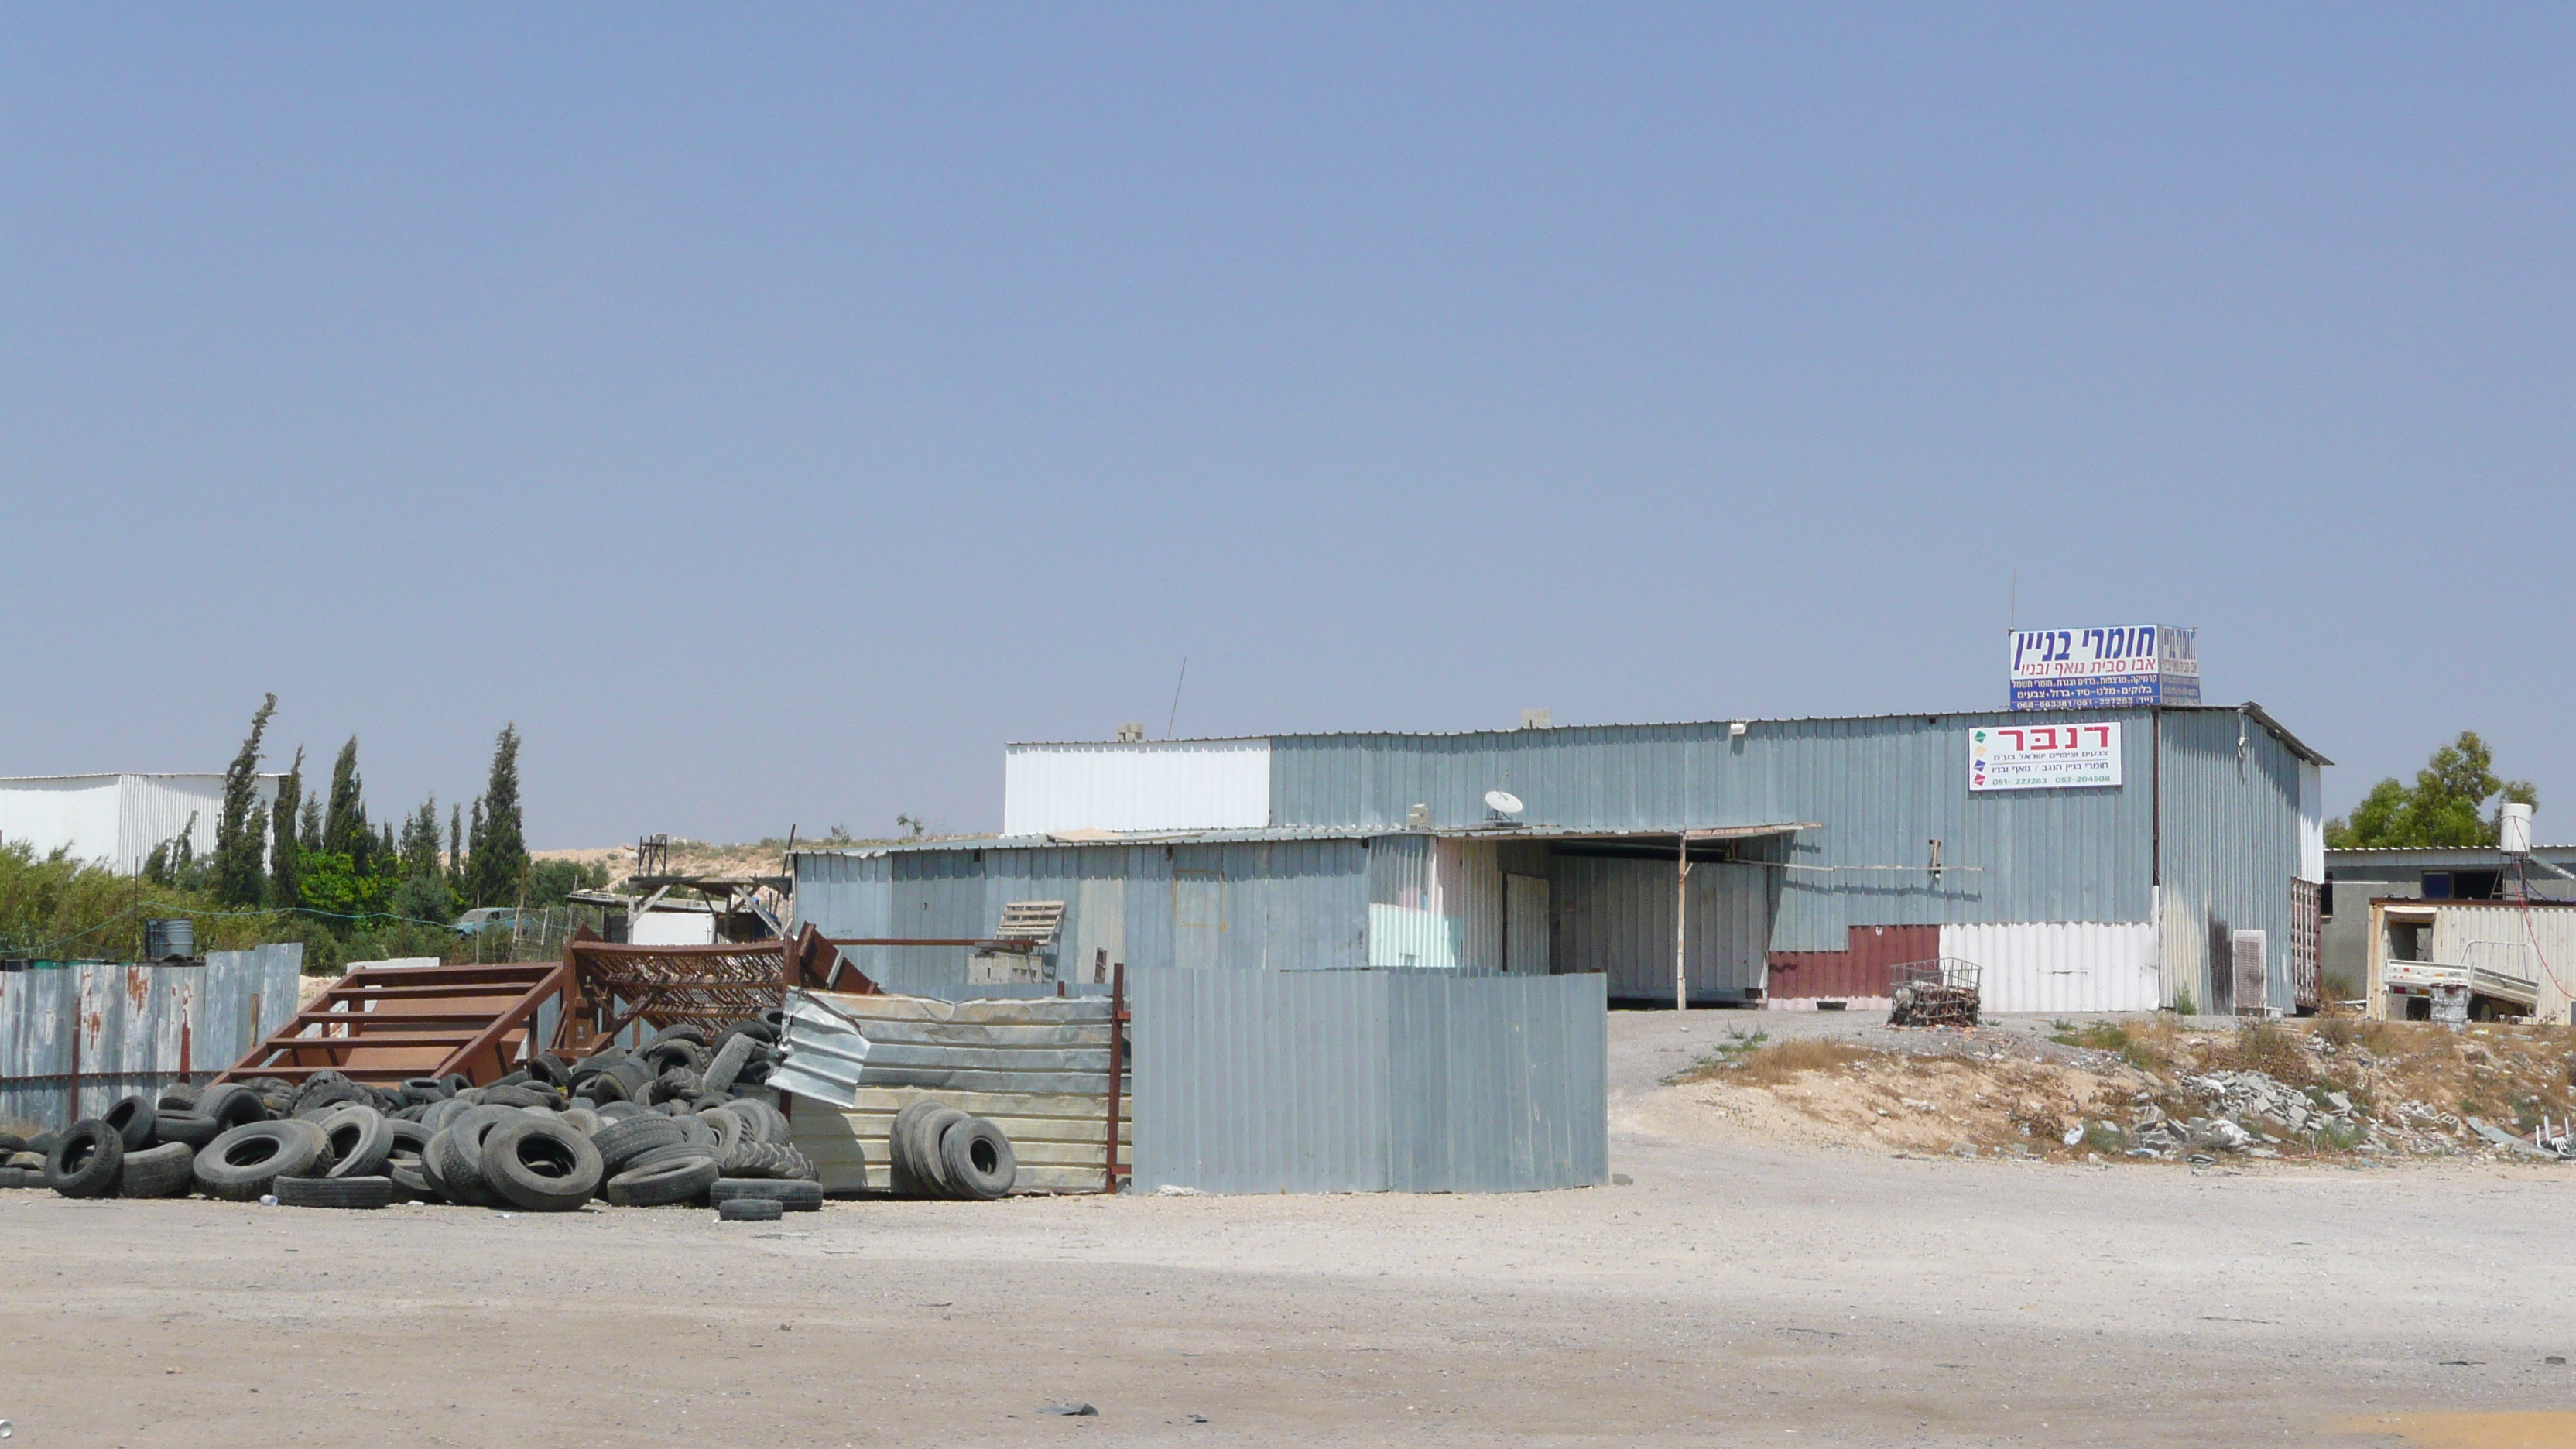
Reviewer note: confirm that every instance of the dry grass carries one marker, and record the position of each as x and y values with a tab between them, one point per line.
1775	1065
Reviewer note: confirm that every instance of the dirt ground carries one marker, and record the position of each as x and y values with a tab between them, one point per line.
1744	1289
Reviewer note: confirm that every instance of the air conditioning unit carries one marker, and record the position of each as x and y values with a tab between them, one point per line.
2249	969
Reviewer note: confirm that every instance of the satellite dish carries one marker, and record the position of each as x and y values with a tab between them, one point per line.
1502	802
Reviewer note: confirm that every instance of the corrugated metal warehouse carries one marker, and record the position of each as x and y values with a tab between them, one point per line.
1820	851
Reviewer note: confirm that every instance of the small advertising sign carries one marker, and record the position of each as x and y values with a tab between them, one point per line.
2129	664
2044	757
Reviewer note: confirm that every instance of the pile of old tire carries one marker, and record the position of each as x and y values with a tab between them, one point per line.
940	1151
22	1159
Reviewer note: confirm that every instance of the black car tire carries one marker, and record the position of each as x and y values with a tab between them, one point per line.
185	1127
620	1142
231	1105
85	1160
361	1139
977	1160
243	1163
914	1147
748	1210
335	1192
541	1164
176	1097
680	1181
796	1196
132	1118
164	1171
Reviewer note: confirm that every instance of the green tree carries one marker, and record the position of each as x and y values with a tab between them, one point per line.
501	845
2447	806
418	847
455	845
241	828
344	822
283	849
308	835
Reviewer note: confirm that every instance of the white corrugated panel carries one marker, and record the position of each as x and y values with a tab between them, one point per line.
2312	823
2537	942
49	815
118	818
2063	966
1154	785
672	928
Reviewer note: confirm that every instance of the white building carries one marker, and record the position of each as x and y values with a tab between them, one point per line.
115	819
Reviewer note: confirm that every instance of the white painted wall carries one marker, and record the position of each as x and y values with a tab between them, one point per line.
2062	966
1153	785
116	818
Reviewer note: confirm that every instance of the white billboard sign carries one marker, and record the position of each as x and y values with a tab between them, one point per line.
2043	757
2136	664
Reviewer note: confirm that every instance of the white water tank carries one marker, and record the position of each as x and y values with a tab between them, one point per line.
2513	833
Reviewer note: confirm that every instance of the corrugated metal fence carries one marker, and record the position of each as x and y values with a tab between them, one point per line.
1369	1081
120	1029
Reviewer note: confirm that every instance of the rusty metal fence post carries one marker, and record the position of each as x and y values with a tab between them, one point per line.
1117	1065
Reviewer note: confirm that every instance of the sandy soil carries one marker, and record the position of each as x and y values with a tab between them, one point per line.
1744	1290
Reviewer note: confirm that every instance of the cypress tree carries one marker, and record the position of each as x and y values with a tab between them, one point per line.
241	830
456	846
284	876
308	836
501	851
418	849
344	823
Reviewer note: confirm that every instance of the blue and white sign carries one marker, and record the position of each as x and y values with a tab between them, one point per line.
2132	664
2044	757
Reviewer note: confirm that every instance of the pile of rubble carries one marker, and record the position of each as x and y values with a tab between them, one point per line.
2256	1114
678	1119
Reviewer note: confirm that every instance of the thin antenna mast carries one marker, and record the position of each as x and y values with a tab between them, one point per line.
1175	715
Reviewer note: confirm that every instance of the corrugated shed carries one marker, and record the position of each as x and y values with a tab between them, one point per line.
2232	844
2061	966
1858	972
132	1028
1156	785
1882	787
1615	916
1369	1081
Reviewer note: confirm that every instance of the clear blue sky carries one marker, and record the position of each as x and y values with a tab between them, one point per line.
774	411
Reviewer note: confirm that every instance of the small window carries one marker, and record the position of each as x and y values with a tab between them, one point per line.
2325	898
2437	885
2475	885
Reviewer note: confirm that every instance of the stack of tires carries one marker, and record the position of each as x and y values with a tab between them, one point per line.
940	1151
676	1120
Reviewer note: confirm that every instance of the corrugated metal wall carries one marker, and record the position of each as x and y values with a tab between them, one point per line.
2061	966
1858	972
133	1028
1615	916
1160	785
2232	844
1243	905
1881	787
1369	1081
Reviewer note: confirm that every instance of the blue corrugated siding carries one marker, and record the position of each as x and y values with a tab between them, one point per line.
1369	1081
2231	843
1882	789
1278	905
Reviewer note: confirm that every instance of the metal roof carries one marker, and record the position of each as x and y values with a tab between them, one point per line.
1076	838
2249	708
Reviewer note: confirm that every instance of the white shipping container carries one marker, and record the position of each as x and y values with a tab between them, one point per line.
2062	966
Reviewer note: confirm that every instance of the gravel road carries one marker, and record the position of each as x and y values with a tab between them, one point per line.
1738	1292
